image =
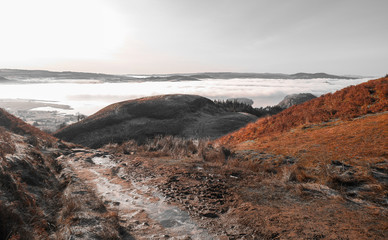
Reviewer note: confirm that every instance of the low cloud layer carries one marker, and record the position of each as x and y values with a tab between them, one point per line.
89	98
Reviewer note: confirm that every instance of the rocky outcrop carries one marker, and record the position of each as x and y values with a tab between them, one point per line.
294	99
187	116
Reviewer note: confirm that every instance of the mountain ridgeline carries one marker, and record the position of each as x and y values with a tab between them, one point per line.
31	76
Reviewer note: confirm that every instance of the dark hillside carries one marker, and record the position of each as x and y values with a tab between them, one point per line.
187	116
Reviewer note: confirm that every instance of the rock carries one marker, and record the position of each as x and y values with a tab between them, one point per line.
210	215
294	99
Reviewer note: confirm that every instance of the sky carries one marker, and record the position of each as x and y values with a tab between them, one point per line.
175	36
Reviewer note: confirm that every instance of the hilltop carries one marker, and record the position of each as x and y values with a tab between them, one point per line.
188	116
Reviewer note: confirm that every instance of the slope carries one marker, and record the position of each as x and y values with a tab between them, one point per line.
39	196
17	126
348	103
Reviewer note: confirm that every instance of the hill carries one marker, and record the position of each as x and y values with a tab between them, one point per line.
326	155
19	74
186	116
348	103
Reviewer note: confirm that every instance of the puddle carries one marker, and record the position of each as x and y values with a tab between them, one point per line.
104	161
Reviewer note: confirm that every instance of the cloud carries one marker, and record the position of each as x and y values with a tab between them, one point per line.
89	98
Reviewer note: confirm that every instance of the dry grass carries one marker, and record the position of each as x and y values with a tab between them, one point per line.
16	125
6	145
336	140
83	214
39	201
346	156
175	147
348	103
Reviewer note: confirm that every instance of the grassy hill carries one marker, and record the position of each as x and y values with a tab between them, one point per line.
348	103
186	116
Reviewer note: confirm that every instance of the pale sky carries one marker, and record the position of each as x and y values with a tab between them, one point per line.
171	36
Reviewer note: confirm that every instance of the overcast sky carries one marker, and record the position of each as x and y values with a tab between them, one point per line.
170	36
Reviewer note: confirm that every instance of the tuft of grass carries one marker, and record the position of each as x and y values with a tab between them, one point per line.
162	146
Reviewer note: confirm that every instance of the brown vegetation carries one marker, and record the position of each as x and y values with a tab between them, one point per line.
175	147
16	125
258	194
38	199
25	177
348	103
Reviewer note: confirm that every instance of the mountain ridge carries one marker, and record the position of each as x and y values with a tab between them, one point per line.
19	75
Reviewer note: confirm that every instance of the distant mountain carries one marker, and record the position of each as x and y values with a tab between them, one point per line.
188	116
16	74
317	75
231	75
5	80
294	99
31	75
171	78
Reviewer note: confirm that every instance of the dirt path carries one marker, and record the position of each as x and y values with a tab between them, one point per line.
142	210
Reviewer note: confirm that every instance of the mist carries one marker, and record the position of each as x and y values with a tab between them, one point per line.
88	98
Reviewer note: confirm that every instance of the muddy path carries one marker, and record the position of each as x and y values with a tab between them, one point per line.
142	210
